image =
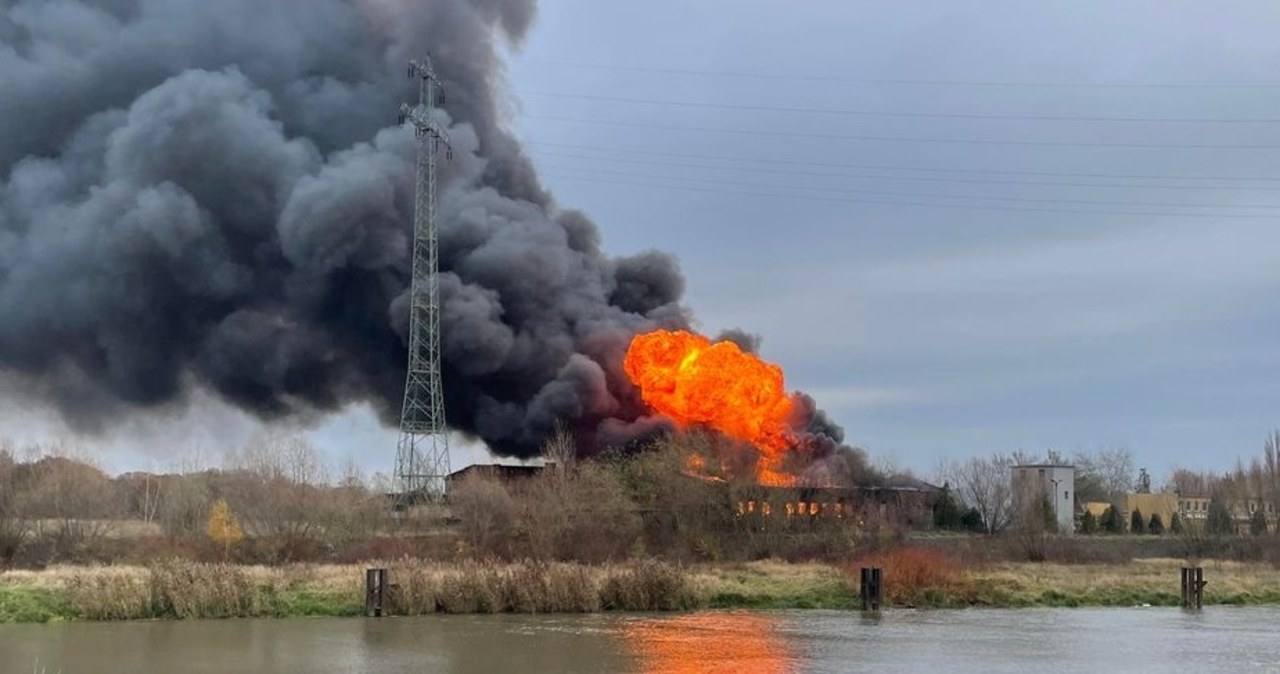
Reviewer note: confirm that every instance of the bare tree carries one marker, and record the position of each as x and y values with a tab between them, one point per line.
1110	469
486	512
983	483
1191	483
13	523
68	500
275	483
561	450
1267	474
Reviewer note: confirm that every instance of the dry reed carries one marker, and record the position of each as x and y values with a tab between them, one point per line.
536	587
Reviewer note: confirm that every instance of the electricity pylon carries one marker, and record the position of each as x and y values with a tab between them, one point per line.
422	455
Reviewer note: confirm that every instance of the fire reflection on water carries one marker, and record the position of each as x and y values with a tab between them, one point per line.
708	642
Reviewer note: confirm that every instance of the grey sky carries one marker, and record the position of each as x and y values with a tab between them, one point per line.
1045	316
932	332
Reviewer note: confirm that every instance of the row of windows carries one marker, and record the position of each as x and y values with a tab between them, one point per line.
797	508
1203	506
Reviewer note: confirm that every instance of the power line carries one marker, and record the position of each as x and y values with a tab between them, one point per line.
928	179
906	139
903	114
893	193
920	204
911	82
891	167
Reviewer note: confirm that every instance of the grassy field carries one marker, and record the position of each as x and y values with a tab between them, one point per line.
188	590
1143	581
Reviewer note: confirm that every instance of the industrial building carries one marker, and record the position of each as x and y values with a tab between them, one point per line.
1056	482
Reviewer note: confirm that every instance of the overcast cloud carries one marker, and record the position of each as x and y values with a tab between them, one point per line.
932	332
953	308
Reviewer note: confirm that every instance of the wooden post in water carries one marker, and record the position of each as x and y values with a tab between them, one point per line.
1193	583
871	588
375	592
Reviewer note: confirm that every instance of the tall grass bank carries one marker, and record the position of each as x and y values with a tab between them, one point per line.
913	577
184	590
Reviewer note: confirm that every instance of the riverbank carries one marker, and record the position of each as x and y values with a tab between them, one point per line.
189	590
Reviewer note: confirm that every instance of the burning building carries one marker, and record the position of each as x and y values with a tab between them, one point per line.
757	426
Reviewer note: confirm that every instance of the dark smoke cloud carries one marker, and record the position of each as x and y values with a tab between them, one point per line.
747	341
209	195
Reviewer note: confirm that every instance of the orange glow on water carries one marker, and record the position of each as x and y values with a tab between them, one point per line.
709	642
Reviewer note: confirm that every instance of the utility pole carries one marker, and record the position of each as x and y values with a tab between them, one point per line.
422	455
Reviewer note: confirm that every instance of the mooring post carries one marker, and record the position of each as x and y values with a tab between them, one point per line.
375	592
871	588
1193	587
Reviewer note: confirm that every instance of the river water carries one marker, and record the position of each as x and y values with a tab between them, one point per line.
774	642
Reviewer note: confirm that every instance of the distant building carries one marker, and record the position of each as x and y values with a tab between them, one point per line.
1055	482
1096	508
1193	508
903	500
1163	504
500	471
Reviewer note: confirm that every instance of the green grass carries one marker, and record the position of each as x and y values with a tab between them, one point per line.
774	585
32	604
312	603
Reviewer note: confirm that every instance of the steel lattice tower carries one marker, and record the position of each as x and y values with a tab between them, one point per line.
422	455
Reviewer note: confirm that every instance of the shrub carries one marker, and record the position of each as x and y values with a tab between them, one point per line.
1258	523
647	586
918	576
491	587
1111	522
110	593
946	512
184	589
1219	519
1137	525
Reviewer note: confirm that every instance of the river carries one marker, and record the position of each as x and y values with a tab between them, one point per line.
773	642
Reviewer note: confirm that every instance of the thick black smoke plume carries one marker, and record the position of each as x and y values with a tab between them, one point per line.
199	194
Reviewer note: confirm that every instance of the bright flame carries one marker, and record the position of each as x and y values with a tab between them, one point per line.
693	381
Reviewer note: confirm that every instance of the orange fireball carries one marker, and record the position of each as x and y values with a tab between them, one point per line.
693	381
